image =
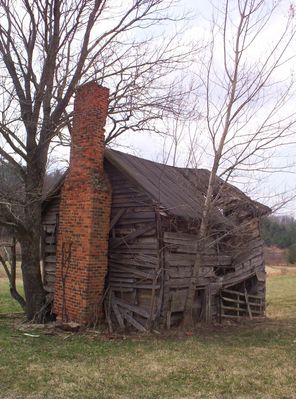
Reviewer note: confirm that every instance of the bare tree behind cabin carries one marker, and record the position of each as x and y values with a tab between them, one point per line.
246	96
47	48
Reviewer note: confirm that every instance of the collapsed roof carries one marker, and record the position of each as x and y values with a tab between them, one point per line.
180	191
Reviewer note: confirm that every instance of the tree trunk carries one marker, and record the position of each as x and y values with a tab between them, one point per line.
33	286
30	248
188	321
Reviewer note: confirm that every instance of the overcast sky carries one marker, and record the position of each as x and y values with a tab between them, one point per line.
265	187
268	188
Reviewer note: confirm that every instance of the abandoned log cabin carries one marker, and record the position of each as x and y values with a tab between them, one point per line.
120	236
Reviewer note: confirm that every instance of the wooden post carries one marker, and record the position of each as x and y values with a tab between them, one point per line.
208	304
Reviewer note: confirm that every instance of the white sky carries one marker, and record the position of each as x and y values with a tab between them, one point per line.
268	188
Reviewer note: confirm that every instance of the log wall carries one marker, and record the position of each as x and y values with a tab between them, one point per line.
151	258
48	247
134	280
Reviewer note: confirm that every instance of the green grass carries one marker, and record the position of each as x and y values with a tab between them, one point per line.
7	305
249	361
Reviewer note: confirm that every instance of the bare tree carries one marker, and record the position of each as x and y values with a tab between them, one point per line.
49	47
247	112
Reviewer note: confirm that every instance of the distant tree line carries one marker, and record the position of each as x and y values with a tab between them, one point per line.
280	231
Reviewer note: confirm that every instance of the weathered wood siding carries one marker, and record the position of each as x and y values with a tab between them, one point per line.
50	224
242	260
134	279
151	258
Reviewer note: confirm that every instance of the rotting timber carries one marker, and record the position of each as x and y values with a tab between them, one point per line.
153	243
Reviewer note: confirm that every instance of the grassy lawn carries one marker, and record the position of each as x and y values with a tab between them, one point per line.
251	361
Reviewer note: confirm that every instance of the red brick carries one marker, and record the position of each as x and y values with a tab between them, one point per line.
82	245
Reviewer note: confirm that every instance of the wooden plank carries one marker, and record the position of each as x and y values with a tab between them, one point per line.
49	267
131	263
122	289
132	308
136	260
256	303
133	214
173	259
178	272
178	300
50	249
50	239
232	300
114	267
135	250
179	238
50	278
234	308
117	313
248	305
115	278
134	322
118	286
116	218
132	221
50	259
116	242
48	288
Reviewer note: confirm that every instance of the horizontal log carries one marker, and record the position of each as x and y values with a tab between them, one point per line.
50	278
116	242
181	249
49	287
132	221
241	310
127	199
179	260
134	322
139	215
50	219
50	249
132	308
179	238
49	267
49	228
120	279
228	291
115	267
179	272
121	231
207	260
128	204
50	259
233	300
132	263
117	285
234	308
138	259
50	239
135	250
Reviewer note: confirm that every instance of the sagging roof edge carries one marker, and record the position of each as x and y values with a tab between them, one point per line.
117	158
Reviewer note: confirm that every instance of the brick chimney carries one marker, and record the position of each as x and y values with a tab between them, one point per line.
82	243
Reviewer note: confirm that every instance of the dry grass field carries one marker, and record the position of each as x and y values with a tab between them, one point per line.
247	361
